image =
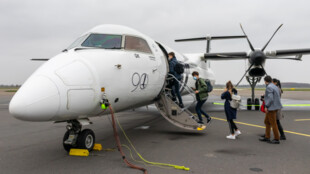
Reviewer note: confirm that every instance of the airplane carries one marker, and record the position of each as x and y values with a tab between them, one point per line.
119	66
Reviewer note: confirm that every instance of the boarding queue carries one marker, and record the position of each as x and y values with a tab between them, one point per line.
271	105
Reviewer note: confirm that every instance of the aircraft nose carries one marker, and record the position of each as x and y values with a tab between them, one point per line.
37	100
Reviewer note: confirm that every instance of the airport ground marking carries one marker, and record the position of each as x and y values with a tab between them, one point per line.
302	120
263	127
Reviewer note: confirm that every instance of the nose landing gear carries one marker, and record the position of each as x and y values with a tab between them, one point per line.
75	137
253	101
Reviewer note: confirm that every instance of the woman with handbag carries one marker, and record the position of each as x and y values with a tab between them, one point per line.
231	113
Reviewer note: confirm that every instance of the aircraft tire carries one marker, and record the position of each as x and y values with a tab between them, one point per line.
257	104
249	104
67	147
86	139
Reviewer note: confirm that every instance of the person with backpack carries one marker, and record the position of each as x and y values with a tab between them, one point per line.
231	113
175	69
201	91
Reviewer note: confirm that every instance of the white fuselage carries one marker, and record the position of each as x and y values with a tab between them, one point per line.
69	85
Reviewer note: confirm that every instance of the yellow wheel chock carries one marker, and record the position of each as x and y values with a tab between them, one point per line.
79	152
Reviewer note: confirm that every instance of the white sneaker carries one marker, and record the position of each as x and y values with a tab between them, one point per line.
232	137
237	133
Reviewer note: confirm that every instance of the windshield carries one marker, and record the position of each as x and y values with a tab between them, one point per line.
106	41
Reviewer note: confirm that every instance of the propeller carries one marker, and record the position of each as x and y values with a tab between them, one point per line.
259	51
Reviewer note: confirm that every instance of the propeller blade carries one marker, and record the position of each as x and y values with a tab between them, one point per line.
244	74
251	46
272	37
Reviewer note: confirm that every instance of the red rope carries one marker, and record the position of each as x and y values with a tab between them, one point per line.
118	142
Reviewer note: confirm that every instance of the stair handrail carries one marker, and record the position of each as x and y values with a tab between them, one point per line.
187	88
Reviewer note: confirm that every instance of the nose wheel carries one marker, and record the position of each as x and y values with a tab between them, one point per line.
253	101
75	137
256	104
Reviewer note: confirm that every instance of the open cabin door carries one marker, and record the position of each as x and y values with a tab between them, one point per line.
180	117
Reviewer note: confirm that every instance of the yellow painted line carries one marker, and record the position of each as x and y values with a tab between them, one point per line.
302	120
247	124
263	127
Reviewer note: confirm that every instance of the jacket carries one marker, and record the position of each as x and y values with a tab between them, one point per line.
231	113
202	87
272	97
172	64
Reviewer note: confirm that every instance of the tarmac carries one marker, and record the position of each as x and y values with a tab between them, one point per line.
36	147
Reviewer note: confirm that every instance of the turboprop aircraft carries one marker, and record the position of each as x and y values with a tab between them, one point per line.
119	66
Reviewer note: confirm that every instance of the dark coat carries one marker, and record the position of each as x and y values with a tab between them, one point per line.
230	112
172	64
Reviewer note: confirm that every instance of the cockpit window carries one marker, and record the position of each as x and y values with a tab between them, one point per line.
137	44
106	41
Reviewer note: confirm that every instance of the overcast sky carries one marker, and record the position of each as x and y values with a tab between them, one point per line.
41	29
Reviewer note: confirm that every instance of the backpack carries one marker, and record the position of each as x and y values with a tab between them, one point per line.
179	68
235	102
209	85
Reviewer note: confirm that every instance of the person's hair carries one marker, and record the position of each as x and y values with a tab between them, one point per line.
229	85
268	79
195	73
278	83
171	54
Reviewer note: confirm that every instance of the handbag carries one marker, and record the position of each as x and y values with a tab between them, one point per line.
235	102
262	107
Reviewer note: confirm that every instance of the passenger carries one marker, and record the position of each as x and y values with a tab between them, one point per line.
174	84
273	104
231	113
279	112
201	91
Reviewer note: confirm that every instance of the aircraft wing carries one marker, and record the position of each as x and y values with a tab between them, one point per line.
226	56
293	54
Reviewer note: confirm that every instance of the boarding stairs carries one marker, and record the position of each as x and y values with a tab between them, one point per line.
170	110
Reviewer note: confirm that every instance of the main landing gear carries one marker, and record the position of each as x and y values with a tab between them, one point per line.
75	137
253	101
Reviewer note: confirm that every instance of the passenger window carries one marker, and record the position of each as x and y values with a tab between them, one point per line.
137	44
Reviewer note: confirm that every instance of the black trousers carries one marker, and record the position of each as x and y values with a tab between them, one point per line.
280	129
232	126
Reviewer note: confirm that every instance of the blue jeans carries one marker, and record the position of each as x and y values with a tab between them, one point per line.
199	111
